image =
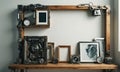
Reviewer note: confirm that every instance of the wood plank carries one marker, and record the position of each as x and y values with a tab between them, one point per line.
64	66
37	26
67	7
70	7
21	32
108	30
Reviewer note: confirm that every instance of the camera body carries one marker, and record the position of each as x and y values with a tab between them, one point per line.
75	59
96	12
108	60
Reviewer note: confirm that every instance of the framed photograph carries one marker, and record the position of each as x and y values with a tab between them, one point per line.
89	51
42	17
64	53
102	46
50	51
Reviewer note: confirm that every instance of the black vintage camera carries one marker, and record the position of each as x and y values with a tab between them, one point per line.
35	50
75	59
108	60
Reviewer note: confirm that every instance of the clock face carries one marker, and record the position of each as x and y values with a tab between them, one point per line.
26	22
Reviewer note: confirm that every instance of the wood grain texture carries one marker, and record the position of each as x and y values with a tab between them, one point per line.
107	29
70	7
22	33
64	66
37	26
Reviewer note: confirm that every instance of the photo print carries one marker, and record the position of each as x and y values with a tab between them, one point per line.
89	51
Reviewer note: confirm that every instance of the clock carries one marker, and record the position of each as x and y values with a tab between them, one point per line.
26	22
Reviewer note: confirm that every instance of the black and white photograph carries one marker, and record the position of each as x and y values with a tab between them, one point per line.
42	17
89	51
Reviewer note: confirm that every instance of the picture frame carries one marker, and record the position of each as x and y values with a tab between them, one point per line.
64	53
102	46
88	51
42	18
50	51
33	48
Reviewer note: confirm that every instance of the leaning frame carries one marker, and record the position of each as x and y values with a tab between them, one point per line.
66	56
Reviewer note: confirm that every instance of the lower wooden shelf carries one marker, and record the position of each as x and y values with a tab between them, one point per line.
63	66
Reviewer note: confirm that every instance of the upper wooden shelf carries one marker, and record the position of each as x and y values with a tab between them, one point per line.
64	66
71	7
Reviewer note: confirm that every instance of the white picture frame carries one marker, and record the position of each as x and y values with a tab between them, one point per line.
88	51
42	17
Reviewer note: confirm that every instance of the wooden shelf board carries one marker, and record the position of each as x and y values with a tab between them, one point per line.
70	7
63	66
36	26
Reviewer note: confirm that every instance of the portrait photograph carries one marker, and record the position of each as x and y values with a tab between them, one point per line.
89	51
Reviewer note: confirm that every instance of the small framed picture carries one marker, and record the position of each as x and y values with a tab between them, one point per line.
64	53
88	51
42	17
50	51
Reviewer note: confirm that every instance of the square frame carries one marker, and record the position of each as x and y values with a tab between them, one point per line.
88	51
50	51
43	18
66	50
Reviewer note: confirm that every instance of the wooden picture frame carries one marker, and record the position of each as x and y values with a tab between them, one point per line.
42	18
50	51
88	51
64	53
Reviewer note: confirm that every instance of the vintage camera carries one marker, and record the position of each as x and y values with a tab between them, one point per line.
55	61
96	12
35	50
75	59
100	60
108	60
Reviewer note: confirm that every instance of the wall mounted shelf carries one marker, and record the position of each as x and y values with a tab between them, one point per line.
64	66
21	67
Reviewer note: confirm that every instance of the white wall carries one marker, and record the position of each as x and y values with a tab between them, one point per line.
70	27
67	27
117	31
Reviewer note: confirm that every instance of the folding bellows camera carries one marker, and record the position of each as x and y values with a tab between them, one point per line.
35	50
